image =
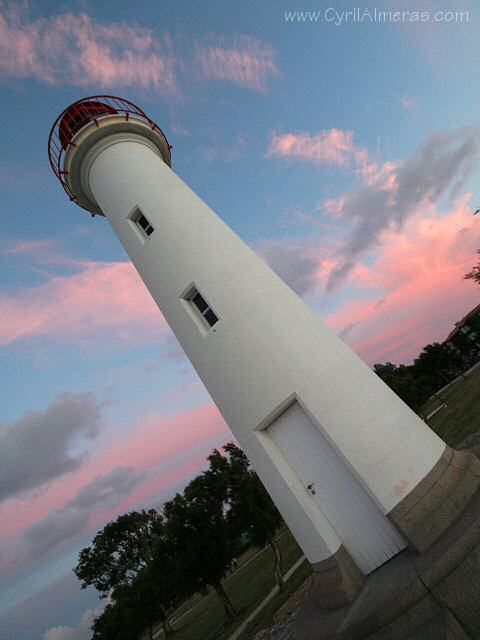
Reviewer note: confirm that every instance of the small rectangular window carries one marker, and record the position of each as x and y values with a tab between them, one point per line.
199	309
145	224
141	224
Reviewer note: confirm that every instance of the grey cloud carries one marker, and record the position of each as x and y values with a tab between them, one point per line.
66	523
344	332
57	526
35	449
297	265
106	489
439	167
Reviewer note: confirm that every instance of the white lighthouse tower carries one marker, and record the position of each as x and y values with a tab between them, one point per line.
347	463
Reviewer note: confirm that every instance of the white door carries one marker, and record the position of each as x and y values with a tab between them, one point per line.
364	530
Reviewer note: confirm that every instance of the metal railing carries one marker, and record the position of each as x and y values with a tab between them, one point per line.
80	113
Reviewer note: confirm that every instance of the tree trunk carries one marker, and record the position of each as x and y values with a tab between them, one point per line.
167	627
227	605
278	563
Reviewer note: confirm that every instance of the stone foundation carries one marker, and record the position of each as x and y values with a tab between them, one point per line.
336	580
438	500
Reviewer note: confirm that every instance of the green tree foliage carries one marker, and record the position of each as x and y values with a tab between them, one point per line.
127	618
432	360
119	551
115	623
144	560
474	274
401	381
417	382
122	552
141	600
249	509
200	541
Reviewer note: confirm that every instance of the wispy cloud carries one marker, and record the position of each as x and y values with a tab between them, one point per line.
396	191
410	104
416	256
418	292
99	296
246	61
75	49
329	146
384	195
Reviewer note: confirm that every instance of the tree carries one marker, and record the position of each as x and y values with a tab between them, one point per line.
474	274
198	534
117	622
142	598
122	550
249	508
401	381
415	383
431	364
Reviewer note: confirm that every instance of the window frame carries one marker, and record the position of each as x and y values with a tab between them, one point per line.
134	217
196	313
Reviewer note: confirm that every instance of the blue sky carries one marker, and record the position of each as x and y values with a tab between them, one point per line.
343	150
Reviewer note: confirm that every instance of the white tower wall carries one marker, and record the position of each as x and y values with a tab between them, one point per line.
268	349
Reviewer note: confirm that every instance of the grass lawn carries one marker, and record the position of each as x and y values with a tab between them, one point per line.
203	617
461	415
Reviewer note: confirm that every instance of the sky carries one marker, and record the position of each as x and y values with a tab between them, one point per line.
343	147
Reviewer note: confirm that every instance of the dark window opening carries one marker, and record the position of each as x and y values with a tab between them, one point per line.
141	223
210	317
200	303
145	224
201	308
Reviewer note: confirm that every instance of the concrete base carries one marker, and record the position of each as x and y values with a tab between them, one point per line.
428	595
438	500
337	580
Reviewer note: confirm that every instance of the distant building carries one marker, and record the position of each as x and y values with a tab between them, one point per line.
464	340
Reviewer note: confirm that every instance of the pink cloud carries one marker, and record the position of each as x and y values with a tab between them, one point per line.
247	62
333	147
392	192
329	146
410	104
420	294
99	296
77	50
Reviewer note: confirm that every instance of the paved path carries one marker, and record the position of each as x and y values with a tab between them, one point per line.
265	601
